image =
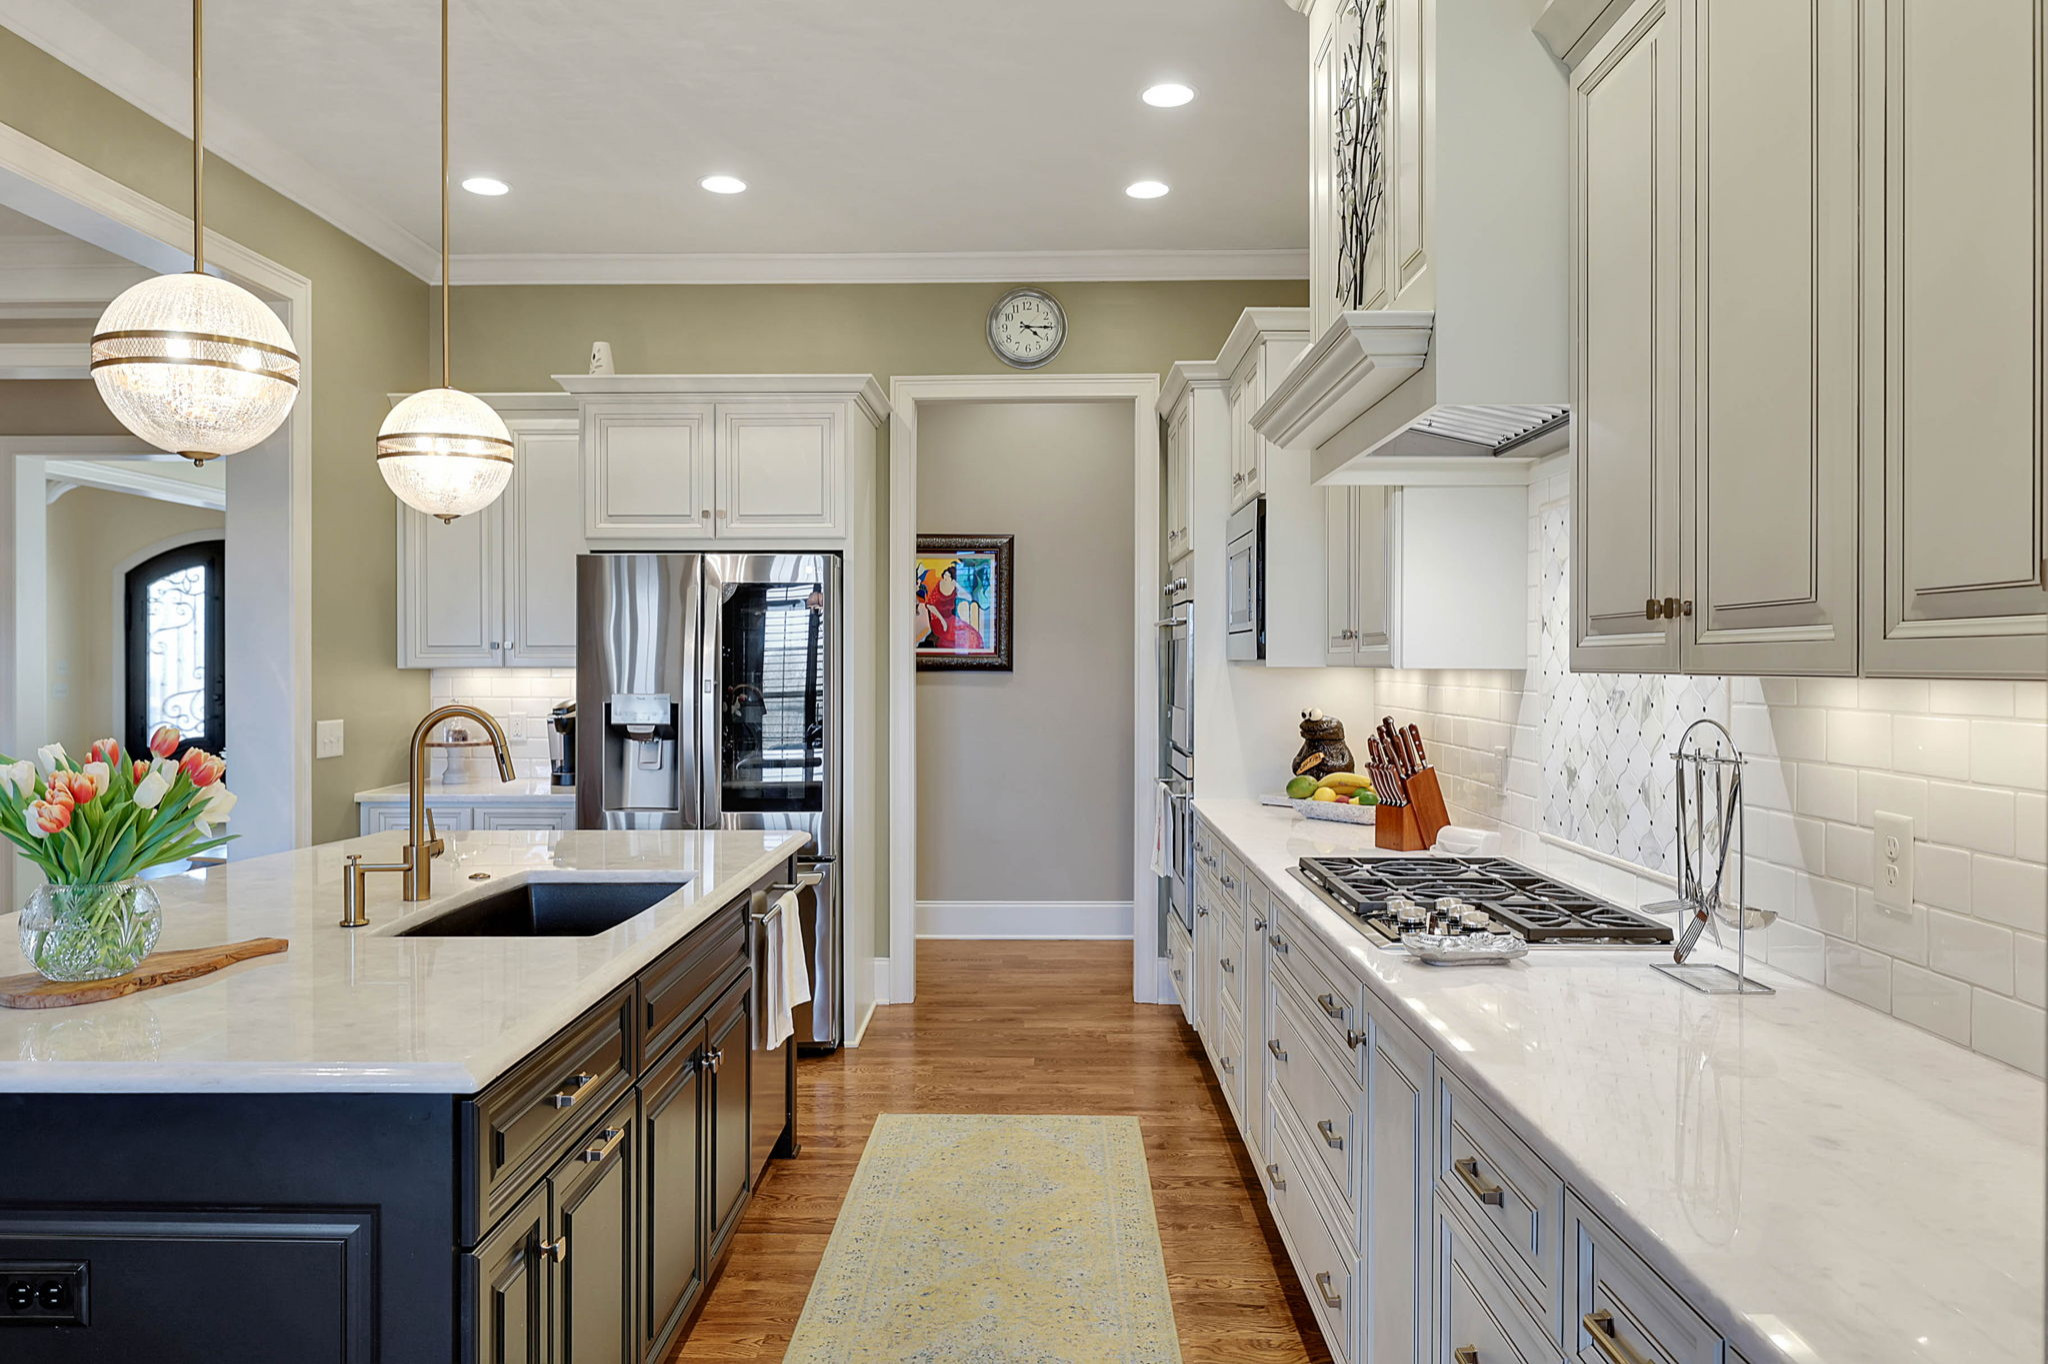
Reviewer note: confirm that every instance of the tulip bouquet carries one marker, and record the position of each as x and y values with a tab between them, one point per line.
92	827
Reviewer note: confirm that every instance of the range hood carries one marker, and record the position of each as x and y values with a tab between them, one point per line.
1458	370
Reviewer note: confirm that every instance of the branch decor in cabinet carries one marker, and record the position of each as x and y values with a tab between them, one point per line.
1361	124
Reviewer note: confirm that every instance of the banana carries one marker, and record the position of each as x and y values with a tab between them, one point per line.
1344	783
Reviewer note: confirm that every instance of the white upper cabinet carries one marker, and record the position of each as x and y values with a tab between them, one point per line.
679	459
1625	206
1179	482
1810	339
1955	360
1356	578
497	588
1768	444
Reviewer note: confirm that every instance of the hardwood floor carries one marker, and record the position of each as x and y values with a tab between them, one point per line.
1025	1028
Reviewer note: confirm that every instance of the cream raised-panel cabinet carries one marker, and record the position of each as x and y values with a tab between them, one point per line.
1179	484
1260	349
680	459
1625	340
1768	278
497	588
1356	584
1956	321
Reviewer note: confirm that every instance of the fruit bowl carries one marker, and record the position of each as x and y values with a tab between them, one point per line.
1336	811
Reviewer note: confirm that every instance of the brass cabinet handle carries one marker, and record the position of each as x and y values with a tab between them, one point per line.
556	1250
1465	1354
1483	1190
1228	965
1354	1037
566	1096
1201	911
1330	1137
1600	1326
1332	1299
1652	609
1258	925
1228	1068
1273	1045
608	1140
1229	881
1273	1173
1331	1006
1279	943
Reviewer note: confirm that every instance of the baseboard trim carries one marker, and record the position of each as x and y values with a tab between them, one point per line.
1033	920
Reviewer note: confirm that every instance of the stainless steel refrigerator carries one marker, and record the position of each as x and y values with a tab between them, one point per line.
708	697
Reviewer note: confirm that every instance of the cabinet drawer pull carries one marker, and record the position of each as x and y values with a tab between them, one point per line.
1228	965
1354	1038
1600	1326
1484	1190
1229	883
1332	1299
1176	973
1279	943
1330	1137
1465	1354
556	1250
1229	1067
1331	1006
1652	609
1273	1045
608	1140
1258	925
1201	911
1273	1173
566	1096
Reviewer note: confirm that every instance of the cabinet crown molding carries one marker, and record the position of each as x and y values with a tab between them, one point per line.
1187	374
862	388
1362	357
1257	325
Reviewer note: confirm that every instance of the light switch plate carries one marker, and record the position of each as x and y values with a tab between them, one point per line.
1891	872
327	739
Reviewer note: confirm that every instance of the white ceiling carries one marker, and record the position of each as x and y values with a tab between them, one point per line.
923	138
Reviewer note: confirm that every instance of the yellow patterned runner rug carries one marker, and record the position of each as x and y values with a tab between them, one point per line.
993	1240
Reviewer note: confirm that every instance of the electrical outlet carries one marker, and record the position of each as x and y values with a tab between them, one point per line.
43	1292
327	739
1891	874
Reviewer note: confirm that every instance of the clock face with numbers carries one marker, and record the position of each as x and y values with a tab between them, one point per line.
1026	328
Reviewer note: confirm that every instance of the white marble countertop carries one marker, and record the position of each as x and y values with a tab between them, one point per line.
359	1009
525	791
1822	1182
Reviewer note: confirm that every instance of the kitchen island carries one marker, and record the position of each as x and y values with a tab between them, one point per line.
1573	1156
402	1141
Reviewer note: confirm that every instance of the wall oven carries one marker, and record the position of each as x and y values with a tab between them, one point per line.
1177	744
1244	583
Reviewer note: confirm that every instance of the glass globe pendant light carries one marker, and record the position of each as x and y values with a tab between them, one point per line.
189	362
443	451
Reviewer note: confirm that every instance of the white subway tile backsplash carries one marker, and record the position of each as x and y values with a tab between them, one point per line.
1849	852
2009	753
1860	738
1825	792
1970	698
1891	694
1797	951
2015	1033
1976	817
1980	953
1883	791
1941	876
2030	969
2030	700
1894	932
1838	692
1859	973
1934	1002
2011	893
2030	826
1933	745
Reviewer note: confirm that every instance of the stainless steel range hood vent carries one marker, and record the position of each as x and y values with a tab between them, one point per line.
1524	431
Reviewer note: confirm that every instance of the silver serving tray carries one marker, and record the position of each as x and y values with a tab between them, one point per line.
1466	949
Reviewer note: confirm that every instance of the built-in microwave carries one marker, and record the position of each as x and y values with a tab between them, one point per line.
1244	583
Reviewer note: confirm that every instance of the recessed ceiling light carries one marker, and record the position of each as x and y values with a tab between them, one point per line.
723	184
1171	95
1146	189
484	184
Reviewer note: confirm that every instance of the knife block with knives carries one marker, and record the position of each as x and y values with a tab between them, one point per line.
1411	809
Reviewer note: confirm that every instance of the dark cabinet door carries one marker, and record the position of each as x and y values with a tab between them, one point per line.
672	1181
594	1239
508	1287
729	1052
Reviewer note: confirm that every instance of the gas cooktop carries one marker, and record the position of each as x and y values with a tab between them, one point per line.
1532	904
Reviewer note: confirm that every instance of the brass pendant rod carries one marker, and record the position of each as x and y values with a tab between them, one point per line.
198	136
444	196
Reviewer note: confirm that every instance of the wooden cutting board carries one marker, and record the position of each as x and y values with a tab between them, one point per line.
158	968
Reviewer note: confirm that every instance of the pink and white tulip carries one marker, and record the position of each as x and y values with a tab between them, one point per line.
106	751
100	775
203	768
46	817
164	742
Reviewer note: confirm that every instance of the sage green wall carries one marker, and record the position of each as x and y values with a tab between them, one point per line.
369	338
513	337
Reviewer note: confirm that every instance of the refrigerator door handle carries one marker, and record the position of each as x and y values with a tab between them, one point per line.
709	704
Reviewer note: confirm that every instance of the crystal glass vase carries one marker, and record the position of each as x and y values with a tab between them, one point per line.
90	932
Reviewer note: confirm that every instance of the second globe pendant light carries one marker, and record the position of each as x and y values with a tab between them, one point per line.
443	451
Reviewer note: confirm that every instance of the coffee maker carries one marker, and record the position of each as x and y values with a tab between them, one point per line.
562	746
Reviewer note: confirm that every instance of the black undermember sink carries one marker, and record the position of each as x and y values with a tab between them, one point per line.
547	909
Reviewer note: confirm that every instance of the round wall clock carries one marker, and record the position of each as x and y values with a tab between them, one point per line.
1026	328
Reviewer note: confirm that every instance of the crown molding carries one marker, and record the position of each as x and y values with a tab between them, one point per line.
164	93
886	267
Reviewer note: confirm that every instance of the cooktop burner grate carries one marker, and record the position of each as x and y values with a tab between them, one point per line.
1535	906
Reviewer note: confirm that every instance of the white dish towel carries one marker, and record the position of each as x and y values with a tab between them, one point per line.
1162	831
787	978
